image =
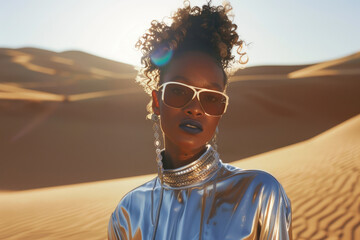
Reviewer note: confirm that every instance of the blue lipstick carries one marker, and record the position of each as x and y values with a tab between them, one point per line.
191	126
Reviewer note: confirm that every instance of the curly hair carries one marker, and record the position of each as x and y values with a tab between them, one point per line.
207	29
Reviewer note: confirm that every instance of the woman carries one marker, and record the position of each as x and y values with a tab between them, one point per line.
195	195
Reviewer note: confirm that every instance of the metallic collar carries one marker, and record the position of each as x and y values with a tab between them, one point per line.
196	172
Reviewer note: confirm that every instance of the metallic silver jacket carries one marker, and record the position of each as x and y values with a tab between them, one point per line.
205	199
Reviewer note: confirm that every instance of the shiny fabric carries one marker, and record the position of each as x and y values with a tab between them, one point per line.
206	199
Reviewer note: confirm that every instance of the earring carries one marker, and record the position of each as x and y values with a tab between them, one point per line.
214	139
157	142
156	127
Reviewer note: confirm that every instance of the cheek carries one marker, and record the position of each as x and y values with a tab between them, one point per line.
167	117
211	125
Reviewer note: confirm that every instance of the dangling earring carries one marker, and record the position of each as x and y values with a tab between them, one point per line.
156	126
214	139
157	142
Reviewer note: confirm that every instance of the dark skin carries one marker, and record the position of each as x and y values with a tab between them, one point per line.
200	70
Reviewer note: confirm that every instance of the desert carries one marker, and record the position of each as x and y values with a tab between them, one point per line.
74	140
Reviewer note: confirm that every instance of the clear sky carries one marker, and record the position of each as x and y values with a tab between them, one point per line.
281	31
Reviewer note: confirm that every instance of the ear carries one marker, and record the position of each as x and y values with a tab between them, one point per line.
155	102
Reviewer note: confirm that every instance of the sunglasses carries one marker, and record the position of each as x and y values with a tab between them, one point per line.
178	95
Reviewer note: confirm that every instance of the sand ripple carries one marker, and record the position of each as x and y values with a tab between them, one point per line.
321	177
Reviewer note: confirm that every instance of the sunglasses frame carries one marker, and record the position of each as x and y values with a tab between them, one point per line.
197	91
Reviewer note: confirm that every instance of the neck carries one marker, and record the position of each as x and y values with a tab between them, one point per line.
175	157
194	173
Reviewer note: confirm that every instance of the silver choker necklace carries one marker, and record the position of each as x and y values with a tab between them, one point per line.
193	173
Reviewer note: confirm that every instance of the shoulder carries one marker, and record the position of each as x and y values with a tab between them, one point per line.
262	181
259	176
271	193
134	201
128	211
274	206
264	178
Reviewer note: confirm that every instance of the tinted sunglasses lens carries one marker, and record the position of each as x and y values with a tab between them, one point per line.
213	103
177	95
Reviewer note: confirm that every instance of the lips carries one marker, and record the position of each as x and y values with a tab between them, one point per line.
191	126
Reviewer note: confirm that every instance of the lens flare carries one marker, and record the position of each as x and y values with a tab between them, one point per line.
161	56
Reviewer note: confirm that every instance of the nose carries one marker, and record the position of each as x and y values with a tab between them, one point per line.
194	108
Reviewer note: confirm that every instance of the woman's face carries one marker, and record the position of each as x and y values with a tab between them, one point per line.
189	127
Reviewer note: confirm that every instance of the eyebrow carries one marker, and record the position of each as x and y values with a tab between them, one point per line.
178	77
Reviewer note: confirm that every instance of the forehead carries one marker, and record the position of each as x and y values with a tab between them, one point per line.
197	69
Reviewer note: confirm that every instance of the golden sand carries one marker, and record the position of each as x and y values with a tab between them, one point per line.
321	177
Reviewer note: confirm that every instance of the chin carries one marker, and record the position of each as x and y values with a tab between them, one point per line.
190	143
186	141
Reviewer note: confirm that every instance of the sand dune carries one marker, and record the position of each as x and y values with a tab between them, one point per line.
318	69
78	124
9	91
320	175
25	60
72	117
71	212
